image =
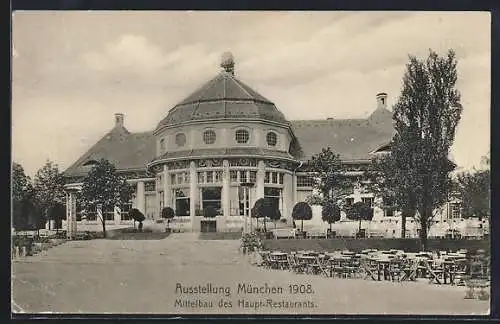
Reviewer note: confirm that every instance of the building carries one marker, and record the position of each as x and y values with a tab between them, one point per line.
221	136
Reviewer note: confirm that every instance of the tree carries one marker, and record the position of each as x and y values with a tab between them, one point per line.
330	181
48	187
167	213
330	212
389	181
474	189
302	211
137	216
22	198
258	211
360	211
265	207
425	118
103	187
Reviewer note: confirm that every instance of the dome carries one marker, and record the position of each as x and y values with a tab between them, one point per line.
222	98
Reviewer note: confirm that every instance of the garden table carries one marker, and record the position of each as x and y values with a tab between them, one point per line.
279	260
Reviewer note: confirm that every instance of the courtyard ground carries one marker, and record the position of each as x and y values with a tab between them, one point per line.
141	276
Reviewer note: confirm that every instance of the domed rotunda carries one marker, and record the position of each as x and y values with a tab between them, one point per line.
224	146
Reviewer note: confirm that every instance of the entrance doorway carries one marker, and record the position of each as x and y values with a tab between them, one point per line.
208	226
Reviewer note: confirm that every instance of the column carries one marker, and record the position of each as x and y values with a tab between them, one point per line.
139	199
287	196
68	215
167	188
259	186
226	189
72	215
193	192
294	189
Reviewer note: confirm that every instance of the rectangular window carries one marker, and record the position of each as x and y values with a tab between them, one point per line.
368	201
180	178
125	211
218	176
275	177
181	198
210	176
201	177
234	176
187	177
172	179
305	181
243	176
455	210
253	176
275	196
212	197
280	178
150	186
267	177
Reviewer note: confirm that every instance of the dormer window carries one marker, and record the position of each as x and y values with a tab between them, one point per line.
271	138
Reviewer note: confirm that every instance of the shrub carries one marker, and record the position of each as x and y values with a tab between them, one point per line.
302	211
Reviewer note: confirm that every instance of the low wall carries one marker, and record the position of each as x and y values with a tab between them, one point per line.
357	245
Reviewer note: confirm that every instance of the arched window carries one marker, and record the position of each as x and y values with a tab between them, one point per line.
180	139
209	137
242	136
271	138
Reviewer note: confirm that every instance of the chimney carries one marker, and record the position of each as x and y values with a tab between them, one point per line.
382	100
118	120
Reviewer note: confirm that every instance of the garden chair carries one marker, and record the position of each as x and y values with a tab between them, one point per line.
409	270
293	265
435	272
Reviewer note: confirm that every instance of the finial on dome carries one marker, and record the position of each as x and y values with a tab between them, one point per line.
227	62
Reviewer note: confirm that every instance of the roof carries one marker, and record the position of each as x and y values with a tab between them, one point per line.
240	151
125	150
353	139
223	97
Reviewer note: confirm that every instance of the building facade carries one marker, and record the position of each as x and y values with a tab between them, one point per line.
225	146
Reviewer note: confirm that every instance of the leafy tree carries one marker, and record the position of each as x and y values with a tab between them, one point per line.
22	198
360	211
388	180
48	187
274	214
137	216
330	212
258	211
167	213
302	211
330	182
425	117
474	189
104	187
265	207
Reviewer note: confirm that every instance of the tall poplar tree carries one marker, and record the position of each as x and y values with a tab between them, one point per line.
426	115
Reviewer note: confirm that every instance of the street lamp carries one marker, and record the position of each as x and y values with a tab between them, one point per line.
246	213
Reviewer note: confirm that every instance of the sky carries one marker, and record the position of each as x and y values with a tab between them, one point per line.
71	71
